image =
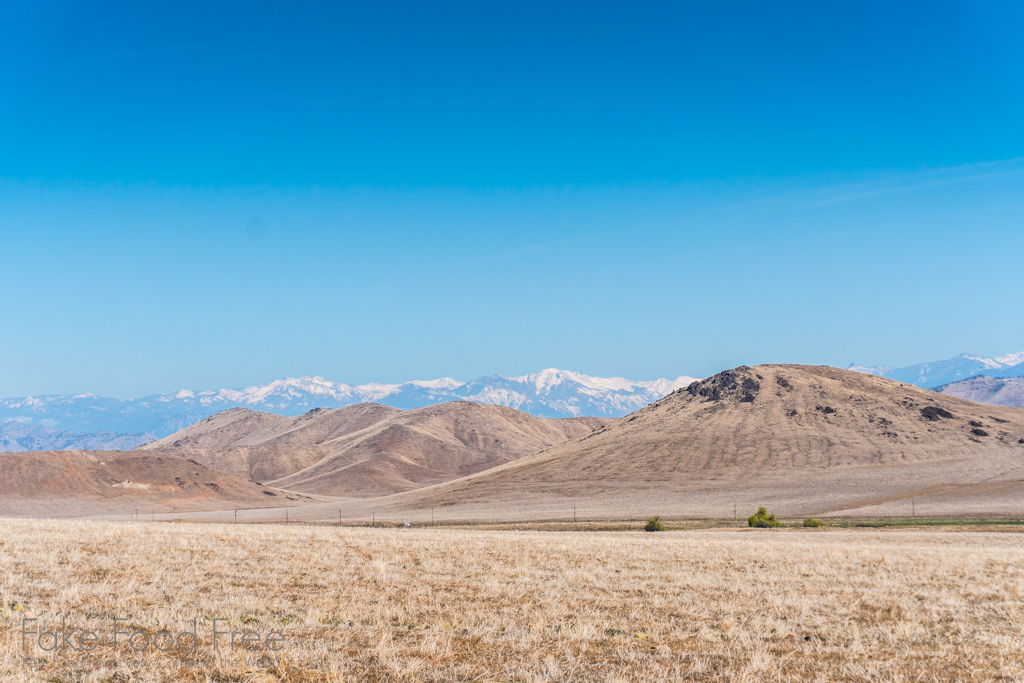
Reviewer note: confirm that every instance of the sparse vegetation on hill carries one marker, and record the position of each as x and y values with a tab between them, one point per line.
811	522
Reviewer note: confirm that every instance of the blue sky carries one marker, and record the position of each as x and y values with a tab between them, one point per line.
218	194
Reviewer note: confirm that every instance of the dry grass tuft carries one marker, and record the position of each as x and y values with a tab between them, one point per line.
451	605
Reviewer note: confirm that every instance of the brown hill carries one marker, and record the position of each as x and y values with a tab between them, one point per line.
72	483
803	439
263	447
368	449
991	390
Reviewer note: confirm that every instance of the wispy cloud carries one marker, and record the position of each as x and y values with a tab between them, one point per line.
549	245
953	175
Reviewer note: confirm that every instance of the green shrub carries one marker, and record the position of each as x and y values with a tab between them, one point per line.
654	524
762	519
811	522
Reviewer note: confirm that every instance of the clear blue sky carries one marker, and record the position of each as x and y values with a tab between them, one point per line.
218	194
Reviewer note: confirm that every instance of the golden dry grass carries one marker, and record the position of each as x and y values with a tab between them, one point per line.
458	605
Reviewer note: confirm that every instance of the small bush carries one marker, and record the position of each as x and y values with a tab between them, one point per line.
812	522
654	524
762	519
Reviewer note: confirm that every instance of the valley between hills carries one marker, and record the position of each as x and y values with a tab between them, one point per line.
805	440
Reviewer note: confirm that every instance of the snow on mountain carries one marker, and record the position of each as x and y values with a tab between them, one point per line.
561	393
549	393
1011	359
938	373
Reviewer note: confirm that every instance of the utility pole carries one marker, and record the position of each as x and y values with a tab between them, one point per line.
339	517
734	517
574	514
286	515
913	507
431	516
236	516
373	520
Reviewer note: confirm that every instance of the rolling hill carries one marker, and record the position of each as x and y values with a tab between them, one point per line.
995	391
98	483
802	439
368	449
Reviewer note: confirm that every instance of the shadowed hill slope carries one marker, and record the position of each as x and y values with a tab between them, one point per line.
264	447
805	438
369	449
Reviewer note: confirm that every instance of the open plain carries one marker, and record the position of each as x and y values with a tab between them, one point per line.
374	604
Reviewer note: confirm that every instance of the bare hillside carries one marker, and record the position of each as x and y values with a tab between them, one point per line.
73	483
368	449
803	438
992	390
264	447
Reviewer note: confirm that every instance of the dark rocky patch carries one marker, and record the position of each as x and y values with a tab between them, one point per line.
827	410
979	432
934	413
731	382
750	388
975	423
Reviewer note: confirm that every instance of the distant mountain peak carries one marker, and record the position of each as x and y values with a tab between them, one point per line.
443	383
549	393
1011	359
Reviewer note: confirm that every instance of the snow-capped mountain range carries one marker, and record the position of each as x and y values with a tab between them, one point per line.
89	422
938	373
41	422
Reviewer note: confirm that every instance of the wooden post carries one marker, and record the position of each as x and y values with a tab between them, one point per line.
286	515
431	516
573	514
236	516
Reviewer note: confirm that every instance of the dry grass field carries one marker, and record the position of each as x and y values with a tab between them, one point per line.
472	605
